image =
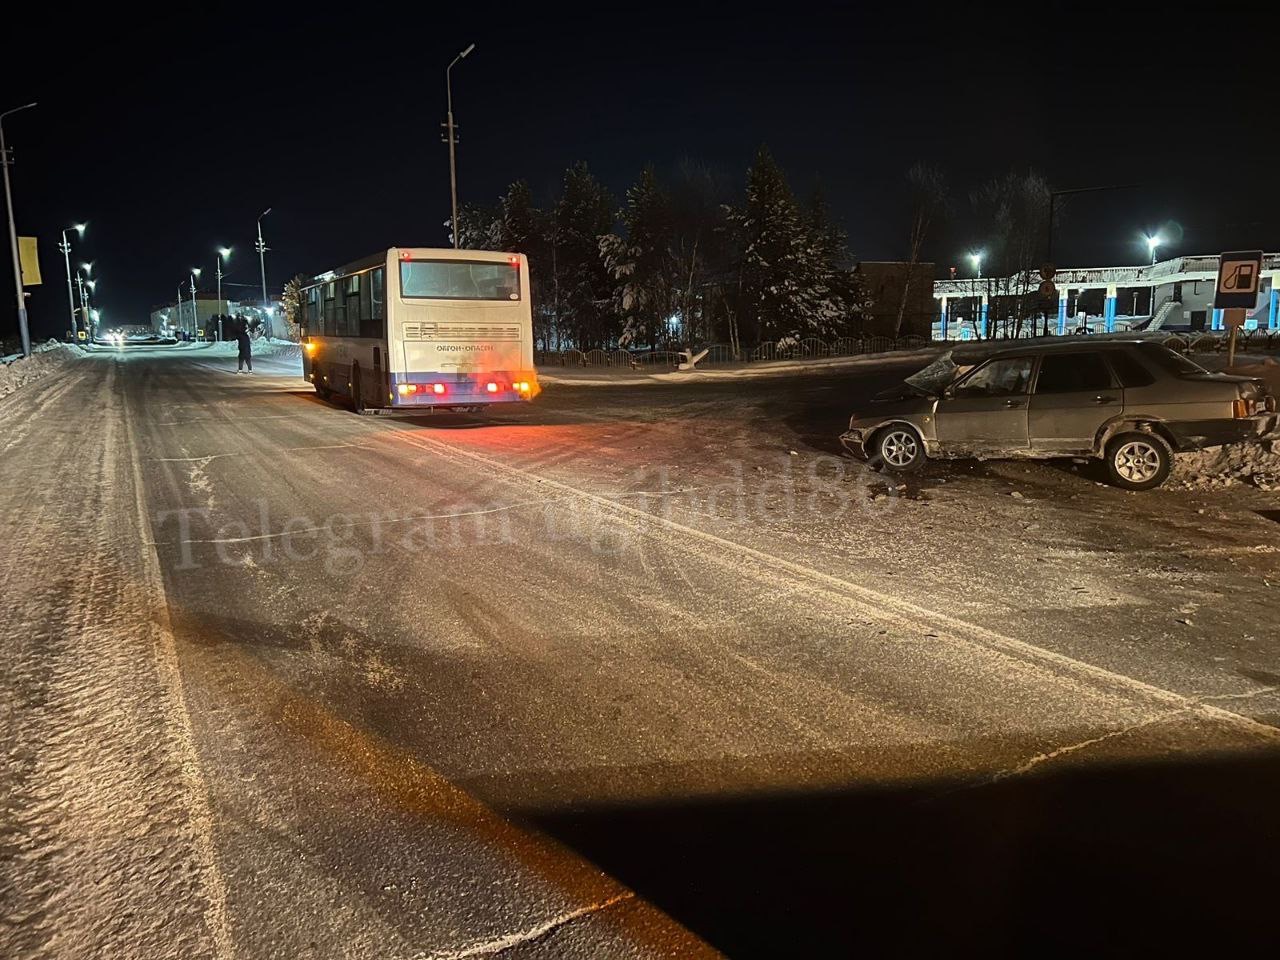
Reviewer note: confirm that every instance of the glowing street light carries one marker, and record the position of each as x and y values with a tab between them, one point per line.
195	320
65	247
223	254
976	260
1152	243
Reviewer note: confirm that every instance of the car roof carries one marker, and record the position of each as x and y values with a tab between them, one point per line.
1071	346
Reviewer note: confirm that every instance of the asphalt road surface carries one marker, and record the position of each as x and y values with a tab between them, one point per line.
635	671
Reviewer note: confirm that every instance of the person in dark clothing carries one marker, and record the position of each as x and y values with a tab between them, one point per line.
244	357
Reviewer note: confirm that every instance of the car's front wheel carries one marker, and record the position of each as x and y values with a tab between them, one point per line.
1138	461
900	449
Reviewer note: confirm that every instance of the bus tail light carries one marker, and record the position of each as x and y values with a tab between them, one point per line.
522	386
491	387
437	388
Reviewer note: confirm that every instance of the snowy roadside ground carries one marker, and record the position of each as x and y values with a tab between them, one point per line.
45	359
278	355
617	376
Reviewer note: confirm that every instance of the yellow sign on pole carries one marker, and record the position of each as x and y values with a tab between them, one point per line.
30	261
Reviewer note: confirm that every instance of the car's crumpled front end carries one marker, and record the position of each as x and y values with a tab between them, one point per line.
910	402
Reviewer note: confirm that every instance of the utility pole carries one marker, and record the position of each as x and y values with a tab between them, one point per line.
13	236
453	167
262	267
65	247
195	319
180	322
223	252
84	307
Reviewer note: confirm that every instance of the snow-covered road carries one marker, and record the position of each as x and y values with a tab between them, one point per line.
569	680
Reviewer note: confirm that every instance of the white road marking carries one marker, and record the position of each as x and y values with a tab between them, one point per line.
875	603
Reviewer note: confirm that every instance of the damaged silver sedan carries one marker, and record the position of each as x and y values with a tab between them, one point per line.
1129	403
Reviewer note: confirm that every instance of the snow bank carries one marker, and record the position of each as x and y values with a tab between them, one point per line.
282	350
45	359
1256	463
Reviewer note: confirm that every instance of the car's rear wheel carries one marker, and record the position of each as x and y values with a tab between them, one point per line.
1138	461
900	449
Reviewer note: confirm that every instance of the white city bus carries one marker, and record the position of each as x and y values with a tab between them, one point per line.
415	329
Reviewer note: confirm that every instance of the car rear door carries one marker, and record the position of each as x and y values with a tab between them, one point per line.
986	412
1075	394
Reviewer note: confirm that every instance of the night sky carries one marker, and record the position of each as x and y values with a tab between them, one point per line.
170	133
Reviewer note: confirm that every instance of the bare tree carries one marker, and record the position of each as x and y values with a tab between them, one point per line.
1013	211
928	203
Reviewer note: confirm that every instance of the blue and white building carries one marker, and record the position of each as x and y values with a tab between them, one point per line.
1174	295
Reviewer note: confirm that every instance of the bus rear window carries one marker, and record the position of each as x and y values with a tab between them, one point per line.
459	280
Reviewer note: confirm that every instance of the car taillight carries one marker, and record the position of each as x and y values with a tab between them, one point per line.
1243	408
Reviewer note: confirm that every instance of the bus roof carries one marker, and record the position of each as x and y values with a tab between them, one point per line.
411	253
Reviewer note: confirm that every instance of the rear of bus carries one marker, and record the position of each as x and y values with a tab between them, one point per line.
459	328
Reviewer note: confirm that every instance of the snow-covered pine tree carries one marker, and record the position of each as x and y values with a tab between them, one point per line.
784	295
843	291
640	264
583	215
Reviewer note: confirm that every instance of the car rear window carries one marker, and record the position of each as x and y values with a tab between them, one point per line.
1170	362
1130	369
1073	373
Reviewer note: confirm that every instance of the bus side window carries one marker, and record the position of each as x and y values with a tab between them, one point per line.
349	322
329	319
366	311
377	298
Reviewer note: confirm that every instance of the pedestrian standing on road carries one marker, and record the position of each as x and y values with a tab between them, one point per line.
244	356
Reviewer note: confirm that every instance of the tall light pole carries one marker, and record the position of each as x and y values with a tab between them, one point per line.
13	235
86	301
262	261
453	166
976	260
195	319
65	247
1152	243
179	307
223	254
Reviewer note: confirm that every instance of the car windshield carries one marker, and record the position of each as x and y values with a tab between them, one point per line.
937	375
1169	361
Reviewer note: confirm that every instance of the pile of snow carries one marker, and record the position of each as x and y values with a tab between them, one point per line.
1254	463
264	349
45	359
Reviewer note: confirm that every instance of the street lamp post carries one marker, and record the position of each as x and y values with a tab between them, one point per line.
13	236
262	261
84	308
453	168
179	327
86	303
1152	243
976	260
223	253
195	319
65	247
